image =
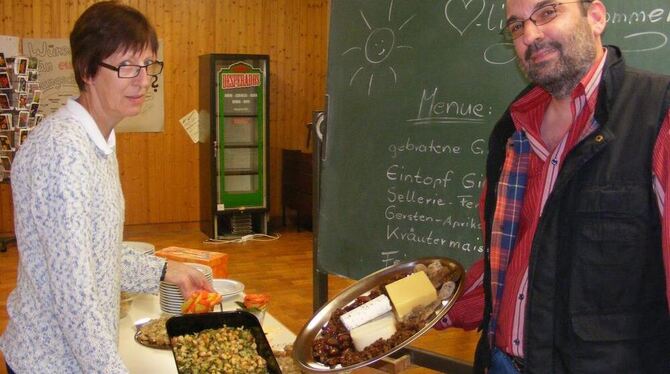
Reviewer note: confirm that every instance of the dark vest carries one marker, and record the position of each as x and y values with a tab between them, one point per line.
596	275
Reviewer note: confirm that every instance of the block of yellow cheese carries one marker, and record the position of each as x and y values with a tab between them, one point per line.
410	292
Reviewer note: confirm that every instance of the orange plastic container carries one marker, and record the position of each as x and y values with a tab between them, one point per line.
218	261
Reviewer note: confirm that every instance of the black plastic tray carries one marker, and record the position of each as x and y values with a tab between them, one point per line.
193	323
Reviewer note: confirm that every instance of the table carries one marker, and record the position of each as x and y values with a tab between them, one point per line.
141	359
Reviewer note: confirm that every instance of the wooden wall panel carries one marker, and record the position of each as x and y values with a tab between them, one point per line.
6	207
159	171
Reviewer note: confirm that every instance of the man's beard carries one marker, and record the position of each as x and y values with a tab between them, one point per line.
559	78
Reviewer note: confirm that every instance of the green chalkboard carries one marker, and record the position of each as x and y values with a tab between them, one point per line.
414	89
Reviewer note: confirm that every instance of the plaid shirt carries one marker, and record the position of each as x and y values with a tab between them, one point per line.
511	191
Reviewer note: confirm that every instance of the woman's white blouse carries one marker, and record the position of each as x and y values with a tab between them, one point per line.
69	213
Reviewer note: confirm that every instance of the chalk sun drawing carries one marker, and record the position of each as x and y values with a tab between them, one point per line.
378	46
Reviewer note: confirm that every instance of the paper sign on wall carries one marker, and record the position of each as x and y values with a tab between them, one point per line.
190	122
9	45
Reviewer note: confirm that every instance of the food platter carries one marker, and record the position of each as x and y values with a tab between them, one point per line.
148	341
303	346
303	351
139	339
194	323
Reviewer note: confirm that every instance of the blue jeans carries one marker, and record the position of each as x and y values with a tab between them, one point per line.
501	363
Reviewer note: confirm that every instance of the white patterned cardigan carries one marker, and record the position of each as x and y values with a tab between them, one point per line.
69	212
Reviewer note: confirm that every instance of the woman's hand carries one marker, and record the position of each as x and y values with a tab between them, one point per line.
187	278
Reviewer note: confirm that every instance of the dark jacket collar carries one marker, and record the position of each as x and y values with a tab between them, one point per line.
610	84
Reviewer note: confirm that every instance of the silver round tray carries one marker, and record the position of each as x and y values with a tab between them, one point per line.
138	334
302	348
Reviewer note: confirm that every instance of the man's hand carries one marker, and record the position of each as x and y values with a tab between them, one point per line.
187	278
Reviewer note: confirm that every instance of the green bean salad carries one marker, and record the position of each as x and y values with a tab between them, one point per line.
225	350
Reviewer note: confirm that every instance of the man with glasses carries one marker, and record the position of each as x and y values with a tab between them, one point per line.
576	207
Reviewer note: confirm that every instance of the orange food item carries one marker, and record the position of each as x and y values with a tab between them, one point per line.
201	302
256	300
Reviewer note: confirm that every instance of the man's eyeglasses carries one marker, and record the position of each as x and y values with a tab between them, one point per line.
131	71
540	16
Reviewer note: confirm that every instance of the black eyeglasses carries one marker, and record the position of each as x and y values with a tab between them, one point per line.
131	71
540	16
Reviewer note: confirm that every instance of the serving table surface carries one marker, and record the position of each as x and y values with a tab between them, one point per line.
141	359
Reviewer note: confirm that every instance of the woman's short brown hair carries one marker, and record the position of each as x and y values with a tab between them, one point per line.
103	29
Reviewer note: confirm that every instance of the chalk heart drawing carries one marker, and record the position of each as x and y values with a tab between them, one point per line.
471	10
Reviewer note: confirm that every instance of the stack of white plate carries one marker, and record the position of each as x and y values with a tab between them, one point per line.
171	298
231	291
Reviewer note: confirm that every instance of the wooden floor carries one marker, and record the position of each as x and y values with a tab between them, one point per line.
281	268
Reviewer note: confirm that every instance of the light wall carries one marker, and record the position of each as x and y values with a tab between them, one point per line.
159	171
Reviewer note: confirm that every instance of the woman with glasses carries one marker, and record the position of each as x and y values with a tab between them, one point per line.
69	208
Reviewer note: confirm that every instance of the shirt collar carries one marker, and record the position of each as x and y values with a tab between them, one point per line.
91	128
589	84
535	101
